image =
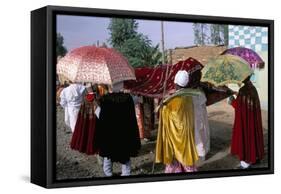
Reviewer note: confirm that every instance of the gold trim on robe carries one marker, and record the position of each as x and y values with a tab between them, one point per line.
175	138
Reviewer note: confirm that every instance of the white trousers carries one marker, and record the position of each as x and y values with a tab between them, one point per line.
107	167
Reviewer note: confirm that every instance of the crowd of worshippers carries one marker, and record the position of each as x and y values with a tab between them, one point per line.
105	120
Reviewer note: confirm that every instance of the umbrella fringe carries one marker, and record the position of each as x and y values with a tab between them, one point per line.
224	82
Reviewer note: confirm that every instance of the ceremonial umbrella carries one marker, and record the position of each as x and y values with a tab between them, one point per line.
254	60
226	69
96	65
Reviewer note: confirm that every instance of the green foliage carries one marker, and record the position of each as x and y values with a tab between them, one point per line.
213	33
225	34
219	34
200	34
121	30
196	32
136	47
60	48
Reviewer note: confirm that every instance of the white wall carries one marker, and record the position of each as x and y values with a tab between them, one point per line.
15	95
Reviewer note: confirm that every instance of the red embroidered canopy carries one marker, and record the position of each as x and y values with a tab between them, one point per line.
150	81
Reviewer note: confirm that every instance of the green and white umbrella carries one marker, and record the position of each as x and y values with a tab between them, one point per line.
226	69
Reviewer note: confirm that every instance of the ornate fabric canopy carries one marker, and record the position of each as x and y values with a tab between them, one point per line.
150	81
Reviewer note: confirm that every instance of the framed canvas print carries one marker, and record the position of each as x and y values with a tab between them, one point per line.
126	96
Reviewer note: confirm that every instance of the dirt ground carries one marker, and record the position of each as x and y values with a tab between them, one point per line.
72	164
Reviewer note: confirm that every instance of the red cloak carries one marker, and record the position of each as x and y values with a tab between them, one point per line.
83	137
247	136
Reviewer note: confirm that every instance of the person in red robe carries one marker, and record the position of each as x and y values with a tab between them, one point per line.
247	137
83	137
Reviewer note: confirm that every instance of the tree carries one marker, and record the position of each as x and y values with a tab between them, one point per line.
225	34
196	32
136	47
204	37
60	48
200	34
216	38
219	34
121	30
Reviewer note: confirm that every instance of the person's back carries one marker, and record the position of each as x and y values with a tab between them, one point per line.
83	137
247	137
71	98
176	146
118	127
175	140
117	131
250	91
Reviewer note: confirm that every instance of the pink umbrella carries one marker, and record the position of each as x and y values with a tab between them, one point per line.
96	65
254	60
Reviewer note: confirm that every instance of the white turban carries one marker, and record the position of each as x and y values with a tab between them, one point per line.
181	78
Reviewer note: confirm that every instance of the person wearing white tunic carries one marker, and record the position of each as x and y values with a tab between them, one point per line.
71	98
201	125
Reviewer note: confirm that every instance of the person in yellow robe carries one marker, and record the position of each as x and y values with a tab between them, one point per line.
176	147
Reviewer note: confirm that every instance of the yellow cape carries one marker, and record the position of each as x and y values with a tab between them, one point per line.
175	138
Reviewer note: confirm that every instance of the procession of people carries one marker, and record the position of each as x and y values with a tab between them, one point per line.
108	120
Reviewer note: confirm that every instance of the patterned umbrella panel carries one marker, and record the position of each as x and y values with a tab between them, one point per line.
226	69
95	64
254	60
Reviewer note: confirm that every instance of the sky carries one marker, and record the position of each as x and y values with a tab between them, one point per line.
87	30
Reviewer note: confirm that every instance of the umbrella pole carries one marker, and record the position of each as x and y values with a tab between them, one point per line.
153	165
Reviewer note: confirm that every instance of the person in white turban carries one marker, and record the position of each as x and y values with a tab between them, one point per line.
176	146
201	124
181	79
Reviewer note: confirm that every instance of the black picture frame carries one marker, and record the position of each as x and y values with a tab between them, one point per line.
43	100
